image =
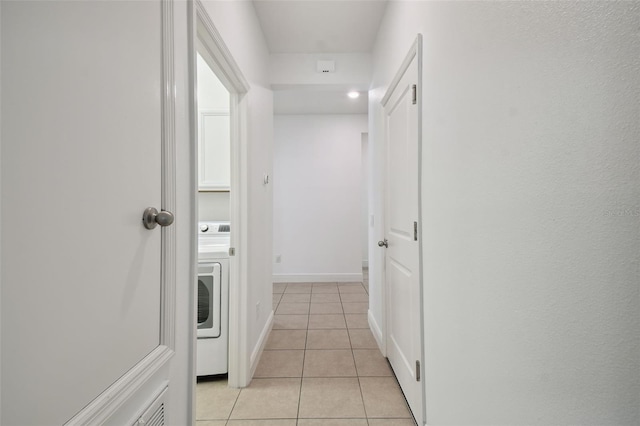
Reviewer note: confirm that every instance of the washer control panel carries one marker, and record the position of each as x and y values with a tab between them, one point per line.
214	228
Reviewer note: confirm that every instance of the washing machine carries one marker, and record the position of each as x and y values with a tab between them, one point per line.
213	298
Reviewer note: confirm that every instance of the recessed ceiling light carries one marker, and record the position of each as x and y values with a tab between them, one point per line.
353	95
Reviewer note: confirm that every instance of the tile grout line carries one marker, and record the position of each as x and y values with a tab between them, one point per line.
355	365
304	357
346	328
233	407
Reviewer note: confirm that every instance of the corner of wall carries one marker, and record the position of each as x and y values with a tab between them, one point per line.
258	348
377	332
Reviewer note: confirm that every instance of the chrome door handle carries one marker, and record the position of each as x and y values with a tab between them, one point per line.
383	243
152	218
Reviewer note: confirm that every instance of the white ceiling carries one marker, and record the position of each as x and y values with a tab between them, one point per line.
320	27
327	26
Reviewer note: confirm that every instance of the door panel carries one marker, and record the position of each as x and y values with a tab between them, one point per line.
81	159
215	150
402	254
399	185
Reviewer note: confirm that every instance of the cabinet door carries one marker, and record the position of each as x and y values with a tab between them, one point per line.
214	151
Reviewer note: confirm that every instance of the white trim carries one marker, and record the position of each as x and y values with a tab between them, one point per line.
109	401
262	341
216	47
413	51
365	263
193	205
317	278
377	332
420	96
231	76
0	216
238	264
168	274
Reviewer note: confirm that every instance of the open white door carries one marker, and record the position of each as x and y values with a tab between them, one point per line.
402	262
87	145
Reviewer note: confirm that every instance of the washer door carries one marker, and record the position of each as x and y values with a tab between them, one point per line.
209	300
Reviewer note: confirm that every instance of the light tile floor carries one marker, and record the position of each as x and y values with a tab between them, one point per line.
321	367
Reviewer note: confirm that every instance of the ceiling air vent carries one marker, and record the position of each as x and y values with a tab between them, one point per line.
326	66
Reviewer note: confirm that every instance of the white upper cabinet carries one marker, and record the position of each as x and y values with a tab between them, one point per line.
214	137
214	150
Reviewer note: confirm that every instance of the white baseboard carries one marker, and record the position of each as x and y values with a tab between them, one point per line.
262	341
317	278
377	332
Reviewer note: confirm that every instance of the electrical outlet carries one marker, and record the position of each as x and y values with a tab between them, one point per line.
278	258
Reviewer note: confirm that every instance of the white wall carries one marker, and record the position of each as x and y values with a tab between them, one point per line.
364	200
301	89
237	23
319	100
317	192
213	206
530	207
0	215
211	92
297	69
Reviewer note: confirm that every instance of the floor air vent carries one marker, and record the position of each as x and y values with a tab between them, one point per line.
154	415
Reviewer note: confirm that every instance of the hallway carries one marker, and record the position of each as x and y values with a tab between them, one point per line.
321	366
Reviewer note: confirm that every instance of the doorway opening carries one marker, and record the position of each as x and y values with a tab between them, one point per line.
214	227
218	122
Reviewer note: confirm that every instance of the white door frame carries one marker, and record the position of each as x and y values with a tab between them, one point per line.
414	52
226	69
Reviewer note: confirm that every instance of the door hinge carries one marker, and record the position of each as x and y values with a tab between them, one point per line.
414	98
417	370
415	231
232	251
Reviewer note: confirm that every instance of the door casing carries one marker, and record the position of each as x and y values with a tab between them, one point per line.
202	29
